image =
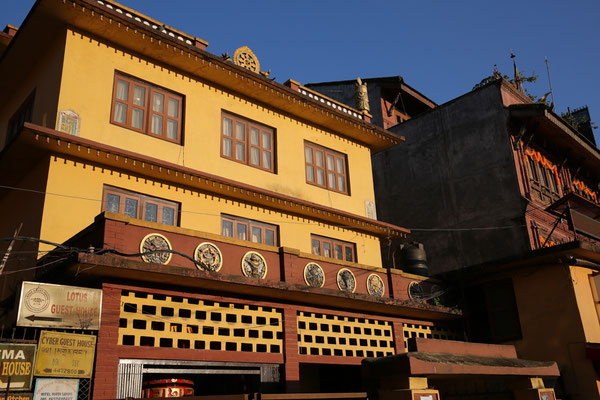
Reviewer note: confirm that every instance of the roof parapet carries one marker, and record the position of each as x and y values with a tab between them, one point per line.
334	104
152	23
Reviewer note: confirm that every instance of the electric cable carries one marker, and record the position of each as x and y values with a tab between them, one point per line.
349	227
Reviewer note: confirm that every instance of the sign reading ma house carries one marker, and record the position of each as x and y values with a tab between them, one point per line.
57	306
16	365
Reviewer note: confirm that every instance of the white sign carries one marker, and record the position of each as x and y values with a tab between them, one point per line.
57	306
56	389
370	209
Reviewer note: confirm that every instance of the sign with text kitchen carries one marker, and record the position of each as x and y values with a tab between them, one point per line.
16	366
57	306
19	396
67	355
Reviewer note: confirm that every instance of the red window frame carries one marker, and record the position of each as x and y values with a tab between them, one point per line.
248	225
240	148
331	164
541	177
318	244
142	205
169	115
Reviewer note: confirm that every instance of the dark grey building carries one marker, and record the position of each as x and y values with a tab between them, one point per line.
489	175
391	100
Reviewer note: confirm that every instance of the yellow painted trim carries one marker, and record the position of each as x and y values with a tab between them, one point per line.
186	231
341	262
246	243
419	278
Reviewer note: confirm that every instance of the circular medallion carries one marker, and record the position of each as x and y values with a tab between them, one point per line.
37	300
314	275
415	292
208	257
152	244
346	280
375	285
254	265
244	57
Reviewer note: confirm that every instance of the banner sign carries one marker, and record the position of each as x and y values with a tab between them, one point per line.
67	355
57	306
16	363
20	396
56	389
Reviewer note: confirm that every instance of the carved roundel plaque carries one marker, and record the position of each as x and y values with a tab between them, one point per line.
244	57
151	244
375	285
254	265
346	280
314	275
415	292
208	257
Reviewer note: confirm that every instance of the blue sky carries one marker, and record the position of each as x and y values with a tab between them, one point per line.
441	48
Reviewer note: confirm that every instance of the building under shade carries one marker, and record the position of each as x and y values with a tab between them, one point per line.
228	220
504	196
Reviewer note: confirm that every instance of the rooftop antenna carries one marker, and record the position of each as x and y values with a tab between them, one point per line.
517	77
550	83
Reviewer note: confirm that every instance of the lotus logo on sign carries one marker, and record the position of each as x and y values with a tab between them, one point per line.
37	300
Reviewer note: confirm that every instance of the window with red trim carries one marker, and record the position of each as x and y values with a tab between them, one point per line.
247	142
326	168
332	248
136	205
146	108
247	229
543	176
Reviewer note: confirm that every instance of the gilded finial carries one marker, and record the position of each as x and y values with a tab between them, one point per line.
361	96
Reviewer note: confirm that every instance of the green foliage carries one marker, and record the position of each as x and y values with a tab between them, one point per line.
522	78
489	79
571	120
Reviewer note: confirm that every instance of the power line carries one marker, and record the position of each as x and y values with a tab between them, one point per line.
487	228
272	221
71	250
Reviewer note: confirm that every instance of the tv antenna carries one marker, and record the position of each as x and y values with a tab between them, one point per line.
550	82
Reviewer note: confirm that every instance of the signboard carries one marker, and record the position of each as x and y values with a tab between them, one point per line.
68	355
56	389
16	363
57	306
19	396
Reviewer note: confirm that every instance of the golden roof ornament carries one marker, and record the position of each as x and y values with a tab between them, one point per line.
244	57
361	96
225	56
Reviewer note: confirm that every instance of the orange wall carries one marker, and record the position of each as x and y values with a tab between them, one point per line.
548	300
